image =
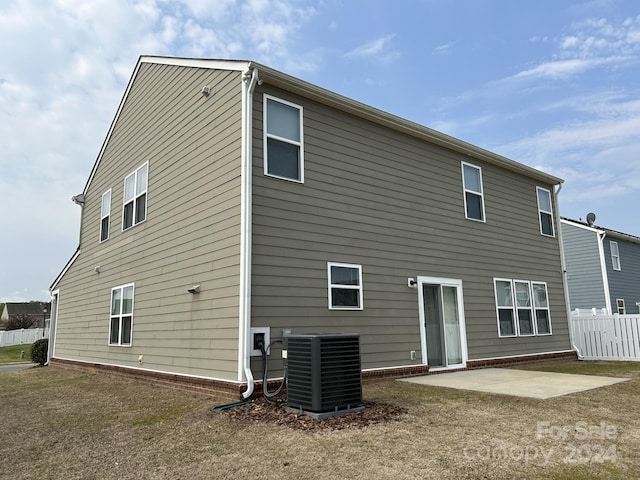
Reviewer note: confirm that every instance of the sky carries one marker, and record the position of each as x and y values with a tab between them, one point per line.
553	84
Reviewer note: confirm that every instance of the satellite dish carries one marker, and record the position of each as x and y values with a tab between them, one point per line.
591	217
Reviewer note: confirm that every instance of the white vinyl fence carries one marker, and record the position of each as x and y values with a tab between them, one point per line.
607	337
23	336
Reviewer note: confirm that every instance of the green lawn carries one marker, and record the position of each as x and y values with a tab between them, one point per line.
13	354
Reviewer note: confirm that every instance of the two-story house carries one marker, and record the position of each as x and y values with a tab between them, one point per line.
229	198
603	268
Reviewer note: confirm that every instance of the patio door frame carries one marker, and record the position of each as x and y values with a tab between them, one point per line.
442	282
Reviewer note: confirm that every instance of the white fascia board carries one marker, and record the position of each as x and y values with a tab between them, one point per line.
212	64
610	233
580	225
621	236
111	127
54	285
380	117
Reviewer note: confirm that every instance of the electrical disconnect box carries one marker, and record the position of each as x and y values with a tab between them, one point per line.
259	334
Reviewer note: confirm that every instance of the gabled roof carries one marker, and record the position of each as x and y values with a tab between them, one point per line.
326	97
213	64
339	102
334	100
610	233
27	308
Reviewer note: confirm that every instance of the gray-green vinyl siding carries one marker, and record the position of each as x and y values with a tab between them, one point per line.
624	283
191	234
393	204
584	269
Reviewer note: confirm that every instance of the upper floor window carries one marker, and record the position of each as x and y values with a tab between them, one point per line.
105	213
135	197
522	307
283	140
473	194
620	306
615	255
121	318
345	286
545	211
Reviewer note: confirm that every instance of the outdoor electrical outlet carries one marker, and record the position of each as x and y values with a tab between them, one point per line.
413	354
257	338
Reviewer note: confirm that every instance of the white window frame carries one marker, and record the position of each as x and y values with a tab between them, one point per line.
529	308
266	136
358	287
481	193
106	215
547	212
621	306
514	308
498	308
615	257
535	309
120	315
136	196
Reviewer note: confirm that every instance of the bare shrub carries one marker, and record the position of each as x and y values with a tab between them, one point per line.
21	320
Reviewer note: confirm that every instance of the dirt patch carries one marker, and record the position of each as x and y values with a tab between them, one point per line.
263	411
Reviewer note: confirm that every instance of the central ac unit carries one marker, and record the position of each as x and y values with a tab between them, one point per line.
323	372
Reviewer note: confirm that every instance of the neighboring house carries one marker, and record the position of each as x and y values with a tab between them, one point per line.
37	311
603	268
230	198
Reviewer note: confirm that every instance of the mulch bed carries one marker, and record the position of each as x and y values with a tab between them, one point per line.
261	410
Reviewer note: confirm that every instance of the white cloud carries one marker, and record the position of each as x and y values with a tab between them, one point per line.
593	43
17	296
375	47
559	69
65	65
593	134
443	49
205	9
596	157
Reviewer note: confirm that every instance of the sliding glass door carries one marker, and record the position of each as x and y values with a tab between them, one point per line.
442	316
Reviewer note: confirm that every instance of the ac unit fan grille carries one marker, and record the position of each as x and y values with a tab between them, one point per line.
324	372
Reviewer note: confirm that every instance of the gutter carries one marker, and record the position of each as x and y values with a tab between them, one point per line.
249	81
380	117
563	265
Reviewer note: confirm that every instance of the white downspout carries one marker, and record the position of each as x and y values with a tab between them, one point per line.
563	266
249	81
603	269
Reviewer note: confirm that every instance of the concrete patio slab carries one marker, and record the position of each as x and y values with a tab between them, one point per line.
519	383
